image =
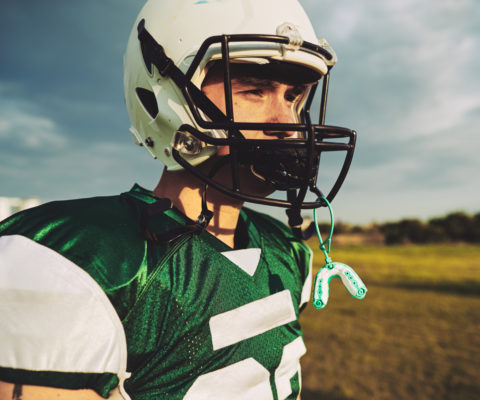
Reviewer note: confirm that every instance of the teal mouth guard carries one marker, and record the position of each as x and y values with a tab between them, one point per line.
348	276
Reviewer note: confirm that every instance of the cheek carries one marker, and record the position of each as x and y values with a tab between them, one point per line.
216	95
248	112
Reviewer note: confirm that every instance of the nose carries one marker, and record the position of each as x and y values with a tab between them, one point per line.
280	112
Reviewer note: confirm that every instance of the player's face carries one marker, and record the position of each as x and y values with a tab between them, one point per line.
257	100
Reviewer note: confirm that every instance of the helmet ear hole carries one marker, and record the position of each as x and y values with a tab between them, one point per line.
147	98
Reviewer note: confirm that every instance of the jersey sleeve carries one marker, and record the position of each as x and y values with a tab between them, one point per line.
57	326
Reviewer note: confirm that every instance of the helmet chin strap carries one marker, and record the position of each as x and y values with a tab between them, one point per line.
206	215
161	205
295	219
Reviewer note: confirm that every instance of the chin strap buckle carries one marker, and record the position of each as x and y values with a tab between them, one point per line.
206	215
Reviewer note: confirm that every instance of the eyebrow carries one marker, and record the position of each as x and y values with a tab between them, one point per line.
261	82
250	80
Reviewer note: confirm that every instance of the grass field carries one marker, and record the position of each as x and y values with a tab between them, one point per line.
416	335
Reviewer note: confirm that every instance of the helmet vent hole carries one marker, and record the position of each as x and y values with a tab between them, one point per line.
147	98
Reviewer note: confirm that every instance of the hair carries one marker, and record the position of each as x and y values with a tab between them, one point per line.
283	72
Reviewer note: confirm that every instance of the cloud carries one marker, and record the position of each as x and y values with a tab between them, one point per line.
96	169
412	62
22	127
439	62
407	80
406	68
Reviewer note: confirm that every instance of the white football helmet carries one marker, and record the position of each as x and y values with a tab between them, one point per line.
171	47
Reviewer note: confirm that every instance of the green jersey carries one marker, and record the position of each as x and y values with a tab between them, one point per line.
87	302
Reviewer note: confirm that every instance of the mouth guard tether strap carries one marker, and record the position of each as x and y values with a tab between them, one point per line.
348	276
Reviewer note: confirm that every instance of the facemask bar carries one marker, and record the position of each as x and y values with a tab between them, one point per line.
324	132
318	138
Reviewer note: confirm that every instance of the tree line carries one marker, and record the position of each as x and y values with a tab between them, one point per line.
454	227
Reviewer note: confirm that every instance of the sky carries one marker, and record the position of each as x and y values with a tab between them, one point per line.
407	81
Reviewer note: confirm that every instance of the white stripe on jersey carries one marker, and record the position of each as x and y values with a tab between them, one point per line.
245	259
252	319
307	286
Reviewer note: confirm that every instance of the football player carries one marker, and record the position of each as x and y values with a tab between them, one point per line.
181	292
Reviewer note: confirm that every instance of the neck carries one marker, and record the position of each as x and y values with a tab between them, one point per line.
186	191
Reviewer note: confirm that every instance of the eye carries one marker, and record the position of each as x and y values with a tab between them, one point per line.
295	94
291	98
253	92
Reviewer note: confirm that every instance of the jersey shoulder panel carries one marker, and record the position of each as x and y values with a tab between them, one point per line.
102	235
279	243
276	234
268	222
41	343
99	238
271	229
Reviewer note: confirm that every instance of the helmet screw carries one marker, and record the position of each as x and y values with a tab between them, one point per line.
149	142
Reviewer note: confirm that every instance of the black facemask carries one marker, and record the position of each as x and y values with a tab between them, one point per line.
287	164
